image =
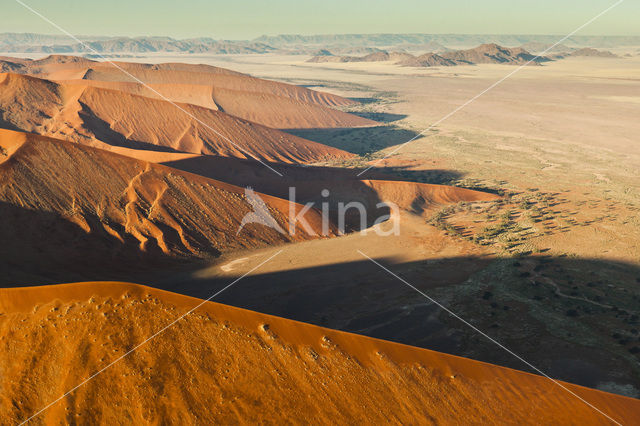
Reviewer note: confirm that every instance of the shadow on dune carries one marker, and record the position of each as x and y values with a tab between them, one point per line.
359	140
575	319
309	182
431	176
8	125
41	247
249	173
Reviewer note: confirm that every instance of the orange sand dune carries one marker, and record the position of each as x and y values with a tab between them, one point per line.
195	74
60	63
283	112
222	364
272	104
105	206
181	93
96	116
263	108
62	66
410	195
115	214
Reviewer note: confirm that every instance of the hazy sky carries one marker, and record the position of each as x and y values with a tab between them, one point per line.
241	19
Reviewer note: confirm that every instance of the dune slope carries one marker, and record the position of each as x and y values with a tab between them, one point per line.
268	109
226	365
269	103
98	209
102	117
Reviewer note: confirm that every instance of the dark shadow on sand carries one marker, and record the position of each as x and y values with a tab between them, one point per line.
366	100
570	339
310	180
380	117
361	141
41	248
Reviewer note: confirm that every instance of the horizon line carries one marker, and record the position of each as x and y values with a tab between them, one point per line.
323	34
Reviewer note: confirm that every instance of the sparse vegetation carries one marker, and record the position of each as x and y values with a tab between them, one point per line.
515	224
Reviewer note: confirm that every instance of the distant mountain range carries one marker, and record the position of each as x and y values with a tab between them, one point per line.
484	54
34	43
450	40
344	44
489	53
588	51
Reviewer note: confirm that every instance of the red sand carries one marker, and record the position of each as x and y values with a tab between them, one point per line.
226	365
270	103
100	117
